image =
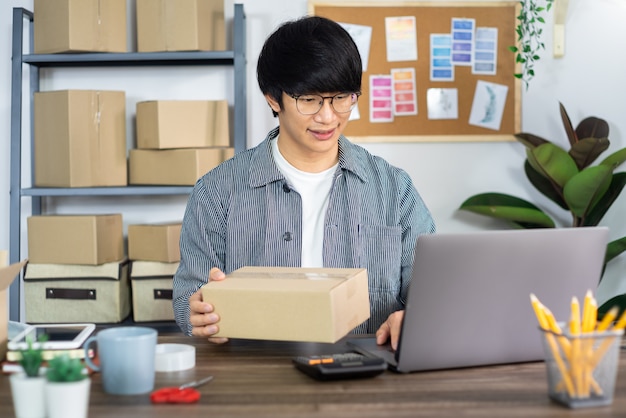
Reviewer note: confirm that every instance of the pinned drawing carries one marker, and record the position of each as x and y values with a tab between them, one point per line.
442	103
488	105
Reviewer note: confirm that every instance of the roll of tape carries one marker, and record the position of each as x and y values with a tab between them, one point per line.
174	357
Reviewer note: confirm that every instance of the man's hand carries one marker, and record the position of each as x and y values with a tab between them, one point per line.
201	316
390	329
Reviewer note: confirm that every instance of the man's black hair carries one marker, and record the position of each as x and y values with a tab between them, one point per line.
309	55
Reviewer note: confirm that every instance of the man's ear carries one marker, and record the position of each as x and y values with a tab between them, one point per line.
273	103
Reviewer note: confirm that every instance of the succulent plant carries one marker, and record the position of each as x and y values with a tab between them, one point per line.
63	368
568	179
31	358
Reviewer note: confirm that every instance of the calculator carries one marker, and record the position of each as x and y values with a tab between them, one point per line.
340	366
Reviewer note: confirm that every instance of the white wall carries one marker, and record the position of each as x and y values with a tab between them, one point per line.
588	80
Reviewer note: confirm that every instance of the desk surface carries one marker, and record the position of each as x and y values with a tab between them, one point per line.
257	379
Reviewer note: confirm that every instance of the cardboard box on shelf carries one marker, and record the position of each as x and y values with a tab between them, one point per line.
151	284
154	242
167	124
75	239
176	167
290	304
60	293
7	275
79	26
174	25
80	138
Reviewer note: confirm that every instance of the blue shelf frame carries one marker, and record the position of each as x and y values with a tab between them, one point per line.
235	58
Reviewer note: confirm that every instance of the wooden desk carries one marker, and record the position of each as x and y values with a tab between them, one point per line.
256	379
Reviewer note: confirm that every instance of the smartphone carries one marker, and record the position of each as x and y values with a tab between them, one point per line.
59	336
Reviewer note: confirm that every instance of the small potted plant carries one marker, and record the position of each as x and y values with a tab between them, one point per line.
28	386
67	389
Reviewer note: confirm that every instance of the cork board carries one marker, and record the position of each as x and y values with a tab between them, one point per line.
433	18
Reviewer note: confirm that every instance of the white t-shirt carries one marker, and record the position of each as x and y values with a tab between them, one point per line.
314	189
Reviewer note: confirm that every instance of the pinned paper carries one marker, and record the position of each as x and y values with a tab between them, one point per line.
442	103
381	99
401	36
485	51
488	105
404	97
462	40
441	68
362	36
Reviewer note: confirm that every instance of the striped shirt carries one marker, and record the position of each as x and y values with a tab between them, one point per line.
243	213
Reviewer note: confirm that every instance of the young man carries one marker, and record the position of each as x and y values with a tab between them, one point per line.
306	196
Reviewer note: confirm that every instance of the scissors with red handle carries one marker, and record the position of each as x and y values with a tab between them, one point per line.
181	394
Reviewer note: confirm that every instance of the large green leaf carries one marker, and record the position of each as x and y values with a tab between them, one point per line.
599	210
614	249
530	140
619	301
616	159
553	163
511	208
592	127
545	186
567	123
586	188
585	151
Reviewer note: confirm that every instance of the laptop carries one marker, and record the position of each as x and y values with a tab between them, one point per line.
469	299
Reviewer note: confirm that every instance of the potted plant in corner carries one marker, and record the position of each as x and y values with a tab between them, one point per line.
67	389
569	180
28	386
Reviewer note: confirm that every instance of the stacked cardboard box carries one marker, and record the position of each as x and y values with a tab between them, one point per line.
80	138
174	25
154	253
80	135
77	271
169	124
79	26
101	26
178	141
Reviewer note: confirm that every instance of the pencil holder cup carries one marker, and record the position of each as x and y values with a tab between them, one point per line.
582	369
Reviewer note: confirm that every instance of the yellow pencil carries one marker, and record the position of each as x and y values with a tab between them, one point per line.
589	319
588	322
543	323
606	344
539	313
621	323
607	319
574	323
554	327
575	359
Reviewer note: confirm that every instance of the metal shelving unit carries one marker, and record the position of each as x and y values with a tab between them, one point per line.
235	58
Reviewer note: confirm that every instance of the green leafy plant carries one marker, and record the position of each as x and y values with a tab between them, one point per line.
529	33
63	368
569	180
31	357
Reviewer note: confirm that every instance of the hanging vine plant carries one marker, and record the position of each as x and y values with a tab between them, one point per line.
529	33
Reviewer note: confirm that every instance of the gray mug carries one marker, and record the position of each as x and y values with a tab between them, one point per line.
126	359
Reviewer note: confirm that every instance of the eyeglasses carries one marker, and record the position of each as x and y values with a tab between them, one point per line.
310	104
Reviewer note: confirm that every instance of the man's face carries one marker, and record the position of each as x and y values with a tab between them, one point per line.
306	140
